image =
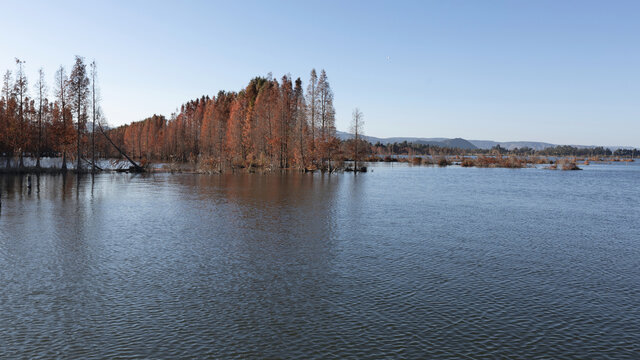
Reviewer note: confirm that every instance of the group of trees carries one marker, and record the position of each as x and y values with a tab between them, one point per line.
269	123
38	125
567	150
410	148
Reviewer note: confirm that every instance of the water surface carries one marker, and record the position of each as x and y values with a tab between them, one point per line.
416	262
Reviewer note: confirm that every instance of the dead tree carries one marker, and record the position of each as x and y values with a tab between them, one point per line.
134	166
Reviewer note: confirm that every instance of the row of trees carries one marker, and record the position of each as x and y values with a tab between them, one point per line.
269	123
409	148
37	125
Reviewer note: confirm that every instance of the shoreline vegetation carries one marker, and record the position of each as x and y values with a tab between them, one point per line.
269	125
53	165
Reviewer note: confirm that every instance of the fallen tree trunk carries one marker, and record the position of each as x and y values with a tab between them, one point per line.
91	163
135	167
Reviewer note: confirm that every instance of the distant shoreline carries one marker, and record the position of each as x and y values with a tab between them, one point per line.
54	165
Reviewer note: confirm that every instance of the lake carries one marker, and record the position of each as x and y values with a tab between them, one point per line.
413	262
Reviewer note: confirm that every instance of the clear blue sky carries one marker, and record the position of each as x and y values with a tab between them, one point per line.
558	71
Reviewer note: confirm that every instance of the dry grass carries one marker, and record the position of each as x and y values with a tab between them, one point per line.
539	160
511	162
467	162
208	165
565	164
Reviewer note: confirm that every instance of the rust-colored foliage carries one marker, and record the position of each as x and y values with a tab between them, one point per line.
265	125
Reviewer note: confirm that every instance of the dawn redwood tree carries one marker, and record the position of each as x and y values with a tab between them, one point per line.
63	119
267	124
129	139
221	121
327	112
94	114
198	118
3	130
327	118
285	122
233	140
41	89
207	128
299	119
357	125
265	113
249	126
20	90
313	108
79	93
7	118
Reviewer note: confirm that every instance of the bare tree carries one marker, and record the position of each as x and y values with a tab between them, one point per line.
7	93
94	114
327	112
299	115
41	89
79	89
20	89
6	85
61	94
312	105
327	118
357	127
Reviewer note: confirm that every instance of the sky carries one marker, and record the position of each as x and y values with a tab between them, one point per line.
564	72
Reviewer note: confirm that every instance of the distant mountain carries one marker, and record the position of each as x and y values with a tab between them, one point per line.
536	145
510	145
459	143
468	144
442	142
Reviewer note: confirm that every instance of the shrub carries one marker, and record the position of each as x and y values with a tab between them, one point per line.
443	161
570	166
467	162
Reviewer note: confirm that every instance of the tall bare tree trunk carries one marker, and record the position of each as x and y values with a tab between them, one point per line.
63	107
357	123
79	165
21	84
41	89
93	125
